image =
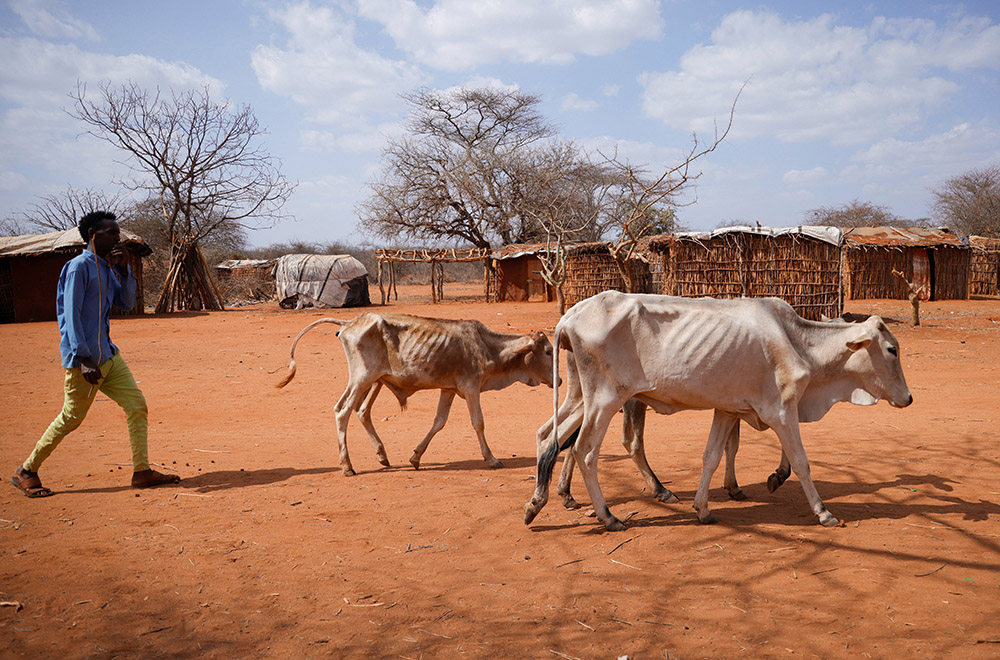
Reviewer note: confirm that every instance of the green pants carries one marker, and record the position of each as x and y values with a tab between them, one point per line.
119	385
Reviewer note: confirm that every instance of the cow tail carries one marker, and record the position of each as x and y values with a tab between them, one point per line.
291	356
547	458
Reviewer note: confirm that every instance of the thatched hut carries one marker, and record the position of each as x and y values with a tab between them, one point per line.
935	259
800	265
984	266
30	267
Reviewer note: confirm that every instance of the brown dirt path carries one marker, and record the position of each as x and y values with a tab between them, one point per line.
266	550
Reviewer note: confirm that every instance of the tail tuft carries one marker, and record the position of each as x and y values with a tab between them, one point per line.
288	377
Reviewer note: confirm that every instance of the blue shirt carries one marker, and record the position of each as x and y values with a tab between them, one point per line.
88	286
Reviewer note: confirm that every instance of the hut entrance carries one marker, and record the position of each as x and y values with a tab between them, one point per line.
922	273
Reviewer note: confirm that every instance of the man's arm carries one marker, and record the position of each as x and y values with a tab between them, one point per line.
125	294
75	317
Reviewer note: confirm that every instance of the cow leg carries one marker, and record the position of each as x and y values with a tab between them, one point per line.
365	415
732	447
570	416
633	431
779	476
444	408
791	443
587	450
349	401
476	415
569	429
721	429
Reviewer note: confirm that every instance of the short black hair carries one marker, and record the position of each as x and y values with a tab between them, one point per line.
91	220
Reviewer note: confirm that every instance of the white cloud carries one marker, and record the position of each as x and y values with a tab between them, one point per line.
47	19
573	102
326	71
805	177
457	35
934	158
611	90
41	138
815	79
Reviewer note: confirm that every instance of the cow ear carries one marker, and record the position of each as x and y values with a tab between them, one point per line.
525	345
860	337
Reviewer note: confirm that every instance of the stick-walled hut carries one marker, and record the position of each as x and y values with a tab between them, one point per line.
516	274
30	267
933	258
984	268
800	265
590	269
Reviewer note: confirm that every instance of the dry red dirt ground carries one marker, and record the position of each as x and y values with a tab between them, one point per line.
266	550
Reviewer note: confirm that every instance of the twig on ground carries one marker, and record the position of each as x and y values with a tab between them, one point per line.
622	543
931	572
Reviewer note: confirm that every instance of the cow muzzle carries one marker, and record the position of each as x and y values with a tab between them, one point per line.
904	403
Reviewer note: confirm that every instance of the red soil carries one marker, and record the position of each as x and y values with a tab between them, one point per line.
266	550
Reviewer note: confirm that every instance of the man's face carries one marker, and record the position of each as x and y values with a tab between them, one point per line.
105	236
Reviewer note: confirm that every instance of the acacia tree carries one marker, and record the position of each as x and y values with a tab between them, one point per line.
856	214
461	172
63	210
202	160
970	203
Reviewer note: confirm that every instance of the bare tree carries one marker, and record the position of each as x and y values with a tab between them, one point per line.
11	227
567	197
63	210
970	203
856	214
202	160
644	201
460	173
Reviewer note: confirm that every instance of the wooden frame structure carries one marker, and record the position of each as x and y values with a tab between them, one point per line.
436	257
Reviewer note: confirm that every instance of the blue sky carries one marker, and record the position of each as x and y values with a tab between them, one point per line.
876	101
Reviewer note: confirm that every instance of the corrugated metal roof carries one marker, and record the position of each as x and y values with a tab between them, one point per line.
900	237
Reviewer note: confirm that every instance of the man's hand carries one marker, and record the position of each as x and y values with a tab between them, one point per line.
118	258
91	374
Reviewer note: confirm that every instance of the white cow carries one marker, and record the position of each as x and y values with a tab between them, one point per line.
754	360
407	353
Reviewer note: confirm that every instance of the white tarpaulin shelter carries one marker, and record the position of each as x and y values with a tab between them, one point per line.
321	280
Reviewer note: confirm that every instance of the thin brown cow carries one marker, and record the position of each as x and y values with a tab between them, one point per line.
406	354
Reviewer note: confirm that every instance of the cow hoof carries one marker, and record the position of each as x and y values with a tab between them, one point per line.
737	494
569	502
615	525
349	472
531	510
774	481
827	520
708	519
494	463
666	496
384	460
415	462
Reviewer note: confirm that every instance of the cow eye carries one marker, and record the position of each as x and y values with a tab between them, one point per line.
893	351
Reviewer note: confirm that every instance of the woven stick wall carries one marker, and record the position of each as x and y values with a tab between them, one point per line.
984	266
868	271
951	273
591	270
803	272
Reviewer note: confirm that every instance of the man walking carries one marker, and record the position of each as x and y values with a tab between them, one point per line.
88	285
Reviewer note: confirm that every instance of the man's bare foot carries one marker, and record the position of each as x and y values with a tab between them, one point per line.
150	478
29	483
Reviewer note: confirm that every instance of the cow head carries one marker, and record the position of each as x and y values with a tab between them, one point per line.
533	357
875	360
